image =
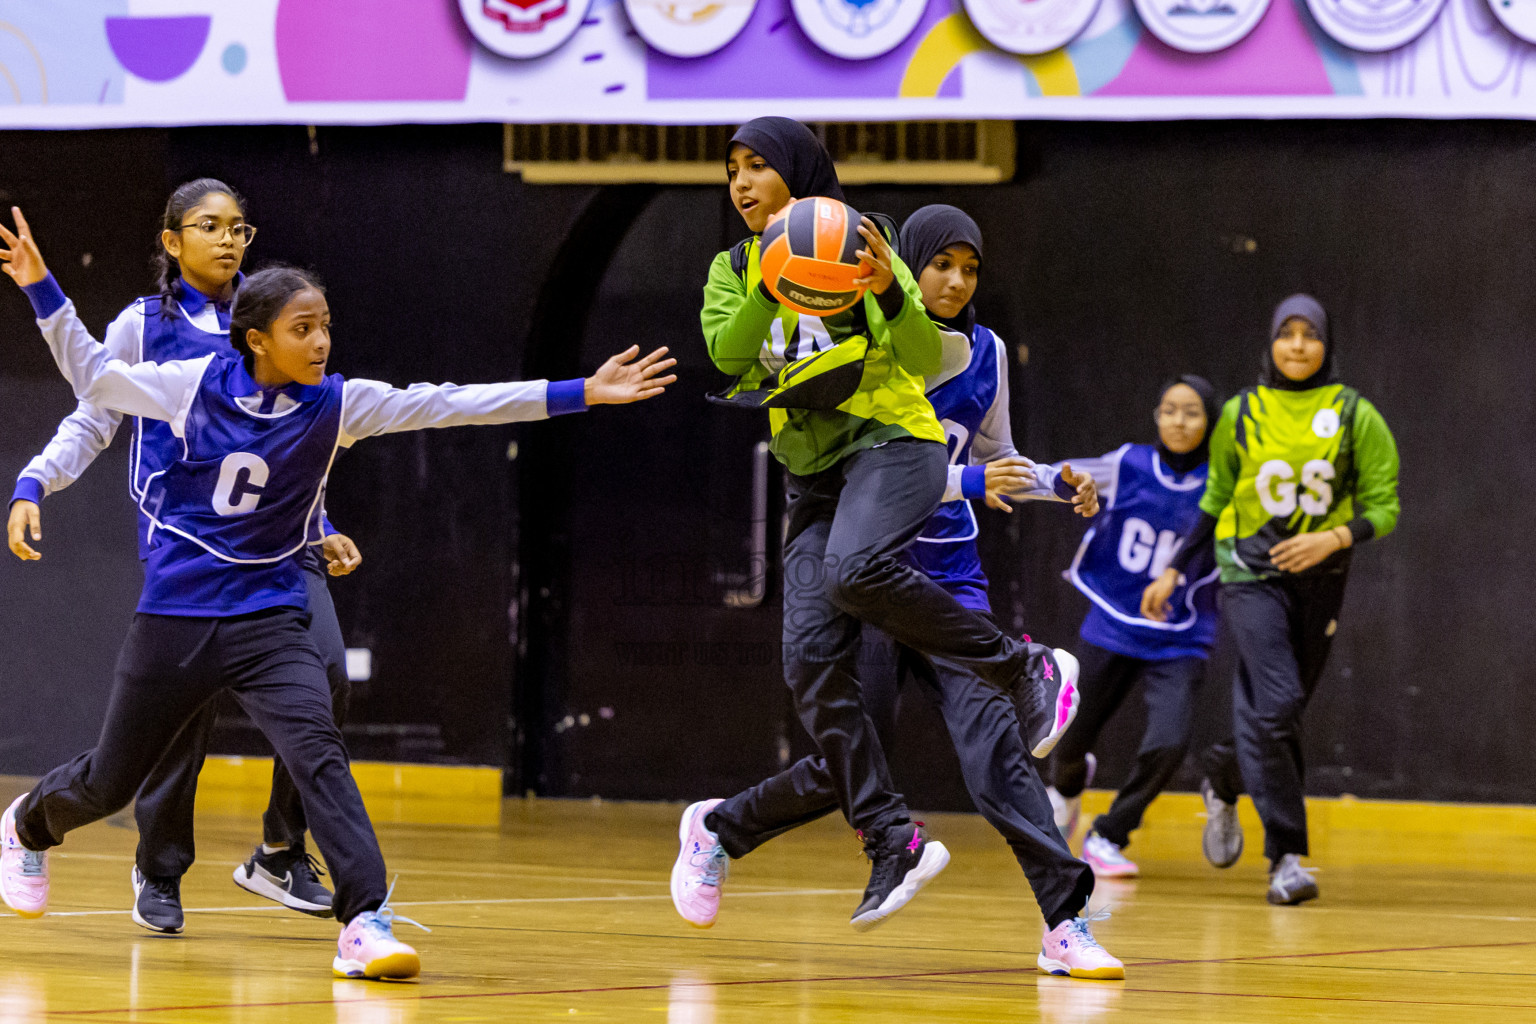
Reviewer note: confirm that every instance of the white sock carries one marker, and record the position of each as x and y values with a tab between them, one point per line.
270	850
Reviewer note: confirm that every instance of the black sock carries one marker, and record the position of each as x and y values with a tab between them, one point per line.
1053	921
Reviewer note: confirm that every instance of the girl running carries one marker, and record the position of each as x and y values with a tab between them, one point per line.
1302	470
1151	497
945	245
203	241
863	478
224	604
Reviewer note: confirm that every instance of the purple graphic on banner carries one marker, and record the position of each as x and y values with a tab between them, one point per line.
773	59
158	49
1278	58
372	50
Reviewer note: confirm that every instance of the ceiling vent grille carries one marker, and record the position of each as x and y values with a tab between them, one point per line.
887	152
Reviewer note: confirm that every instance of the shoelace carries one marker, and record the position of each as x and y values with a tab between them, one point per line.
32	863
1079	926
312	864
715	866
1293	873
384	918
164	891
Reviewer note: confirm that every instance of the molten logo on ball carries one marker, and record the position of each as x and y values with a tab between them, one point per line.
810	256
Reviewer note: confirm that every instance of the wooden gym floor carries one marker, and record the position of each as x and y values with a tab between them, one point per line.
562	913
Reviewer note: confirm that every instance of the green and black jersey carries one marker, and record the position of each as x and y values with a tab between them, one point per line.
750	336
1291	462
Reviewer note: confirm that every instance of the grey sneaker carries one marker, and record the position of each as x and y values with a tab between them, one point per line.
1290	883
1223	839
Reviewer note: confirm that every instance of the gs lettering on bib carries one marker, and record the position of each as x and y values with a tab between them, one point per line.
1278	493
1295	452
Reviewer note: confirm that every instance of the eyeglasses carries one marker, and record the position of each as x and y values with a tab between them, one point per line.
1171	413
213	231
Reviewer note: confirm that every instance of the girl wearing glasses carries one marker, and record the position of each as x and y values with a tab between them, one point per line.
224	604
1151	497
203	242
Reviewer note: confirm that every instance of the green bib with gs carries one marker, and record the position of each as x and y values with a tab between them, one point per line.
1296	474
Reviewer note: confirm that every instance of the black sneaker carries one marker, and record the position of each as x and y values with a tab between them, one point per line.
1049	698
905	860
290	877
157	903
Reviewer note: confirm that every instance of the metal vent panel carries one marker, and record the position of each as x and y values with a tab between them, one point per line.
901	152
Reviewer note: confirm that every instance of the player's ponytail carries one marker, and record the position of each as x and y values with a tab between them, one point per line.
183	199
260	301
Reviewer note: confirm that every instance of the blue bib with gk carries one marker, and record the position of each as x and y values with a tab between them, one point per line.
232	515
1129	545
946	549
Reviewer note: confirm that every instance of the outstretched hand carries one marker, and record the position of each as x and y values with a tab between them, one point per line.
624	379
1086	501
22	260
1006	477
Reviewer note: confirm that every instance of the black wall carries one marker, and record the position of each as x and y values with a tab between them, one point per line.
1121	254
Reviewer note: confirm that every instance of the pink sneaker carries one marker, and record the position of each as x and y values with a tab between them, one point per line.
23	872
701	867
368	948
1071	949
1107	859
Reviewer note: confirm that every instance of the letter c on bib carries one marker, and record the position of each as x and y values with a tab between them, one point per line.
242	475
1277	488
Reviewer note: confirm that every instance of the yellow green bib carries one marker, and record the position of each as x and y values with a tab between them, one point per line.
1295	473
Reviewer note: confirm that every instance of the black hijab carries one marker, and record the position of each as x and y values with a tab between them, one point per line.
795	152
1312	311
930	231
1201	453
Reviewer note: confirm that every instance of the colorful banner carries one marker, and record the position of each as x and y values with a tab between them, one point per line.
108	63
